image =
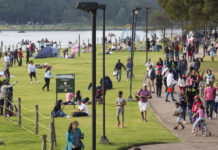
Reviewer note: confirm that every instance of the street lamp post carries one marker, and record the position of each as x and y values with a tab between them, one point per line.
134	11
146	37
104	139
92	7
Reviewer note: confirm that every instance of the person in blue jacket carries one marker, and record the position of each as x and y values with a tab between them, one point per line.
74	136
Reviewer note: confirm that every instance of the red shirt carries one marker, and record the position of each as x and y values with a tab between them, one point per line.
20	54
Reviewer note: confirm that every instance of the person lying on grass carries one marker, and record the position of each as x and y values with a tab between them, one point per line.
81	111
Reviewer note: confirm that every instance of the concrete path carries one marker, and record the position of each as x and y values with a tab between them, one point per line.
164	112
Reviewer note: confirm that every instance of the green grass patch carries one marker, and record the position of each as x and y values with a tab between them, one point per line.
136	132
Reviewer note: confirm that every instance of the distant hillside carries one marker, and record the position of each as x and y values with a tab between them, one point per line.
64	11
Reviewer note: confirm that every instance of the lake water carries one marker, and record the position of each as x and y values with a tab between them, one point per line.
10	38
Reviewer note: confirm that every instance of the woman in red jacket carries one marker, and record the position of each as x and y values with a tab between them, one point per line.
20	56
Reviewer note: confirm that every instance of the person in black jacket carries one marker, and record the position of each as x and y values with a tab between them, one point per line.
159	83
150	78
15	56
118	67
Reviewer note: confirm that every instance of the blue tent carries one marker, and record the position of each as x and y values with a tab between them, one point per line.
48	52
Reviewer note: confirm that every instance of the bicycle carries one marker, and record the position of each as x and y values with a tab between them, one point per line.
203	128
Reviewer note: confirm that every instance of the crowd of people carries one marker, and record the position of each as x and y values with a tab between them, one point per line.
197	95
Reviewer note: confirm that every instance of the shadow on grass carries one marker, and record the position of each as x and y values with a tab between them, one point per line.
141	144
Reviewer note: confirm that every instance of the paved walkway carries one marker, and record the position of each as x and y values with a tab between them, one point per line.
164	111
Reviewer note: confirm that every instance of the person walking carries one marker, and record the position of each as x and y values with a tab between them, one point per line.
216	101
184	51
165	74
210	94
120	102
183	65
166	50
32	71
178	113
74	136
16	57
143	95
48	76
7	60
118	67
128	68
159	83
20	56
176	47
183	104
150	78
190	94
170	85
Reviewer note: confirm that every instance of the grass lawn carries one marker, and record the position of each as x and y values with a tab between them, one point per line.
136	131
208	64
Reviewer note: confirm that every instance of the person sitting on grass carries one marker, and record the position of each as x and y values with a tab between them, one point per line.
81	111
201	114
74	136
69	99
178	113
120	102
58	111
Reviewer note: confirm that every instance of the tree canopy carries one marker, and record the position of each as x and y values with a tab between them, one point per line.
197	12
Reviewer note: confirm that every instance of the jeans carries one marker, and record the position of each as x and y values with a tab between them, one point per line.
171	54
190	111
183	71
119	72
120	110
20	63
215	107
60	113
176	54
167	55
153	48
185	54
183	111
128	72
166	98
209	105
47	81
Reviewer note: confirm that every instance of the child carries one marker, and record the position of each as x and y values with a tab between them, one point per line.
195	106
120	102
201	113
178	113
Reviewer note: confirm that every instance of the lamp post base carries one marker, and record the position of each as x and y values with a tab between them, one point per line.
104	140
130	98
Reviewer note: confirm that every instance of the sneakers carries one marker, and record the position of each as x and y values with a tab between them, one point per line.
67	116
122	126
175	128
31	82
37	82
183	127
184	122
210	118
145	120
118	124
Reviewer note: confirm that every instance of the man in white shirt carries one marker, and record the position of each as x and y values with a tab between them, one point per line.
32	71
170	84
82	110
7	60
149	63
165	74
